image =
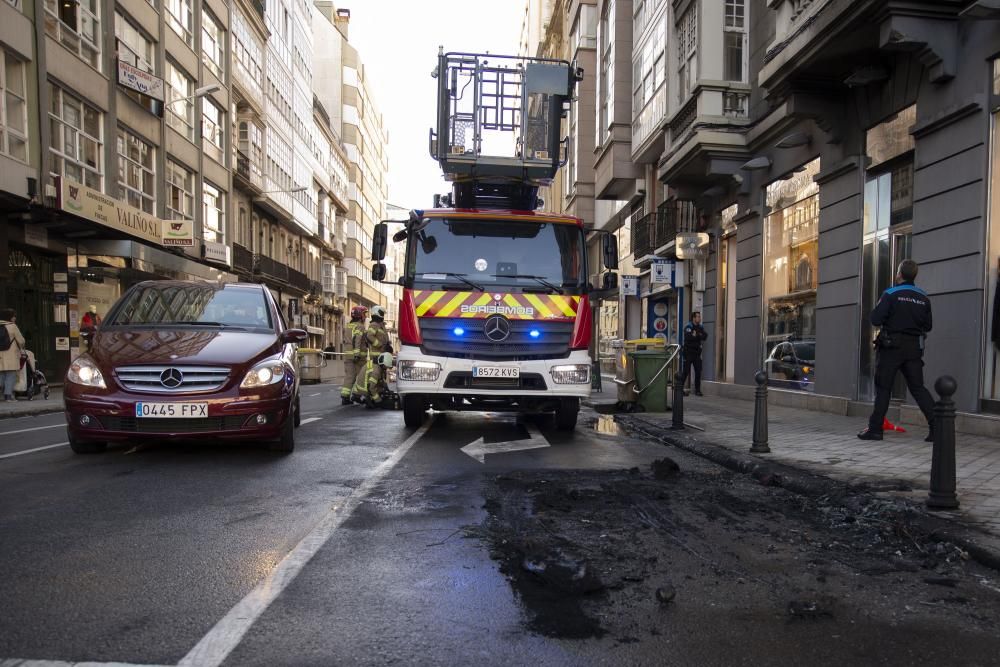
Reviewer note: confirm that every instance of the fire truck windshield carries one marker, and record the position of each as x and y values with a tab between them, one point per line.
528	256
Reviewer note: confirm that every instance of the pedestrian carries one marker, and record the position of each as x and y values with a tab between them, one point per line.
11	346
694	336
375	341
353	360
90	319
904	315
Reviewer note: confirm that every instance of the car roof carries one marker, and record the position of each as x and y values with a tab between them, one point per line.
199	283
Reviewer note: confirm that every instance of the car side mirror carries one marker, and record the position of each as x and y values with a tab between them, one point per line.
788	359
380	241
399	236
610	281
378	272
293	336
609	249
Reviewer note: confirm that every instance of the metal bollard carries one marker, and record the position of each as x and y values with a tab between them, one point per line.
942	495
677	407
759	445
595	377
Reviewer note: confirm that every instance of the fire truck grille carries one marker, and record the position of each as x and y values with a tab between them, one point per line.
440	339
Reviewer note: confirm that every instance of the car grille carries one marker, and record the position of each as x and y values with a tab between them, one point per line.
552	343
181	425
194	378
464	380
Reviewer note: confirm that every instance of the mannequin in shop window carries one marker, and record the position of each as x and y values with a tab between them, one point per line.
90	319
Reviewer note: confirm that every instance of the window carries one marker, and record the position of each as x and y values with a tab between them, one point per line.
606	88
212	129
76	139
247	56
585	29
735	41
133	46
179	19
77	25
214	213
648	70
687	53
180	90
136	172
13	108
213	44
180	192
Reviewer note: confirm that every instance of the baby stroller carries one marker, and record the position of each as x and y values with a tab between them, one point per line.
30	381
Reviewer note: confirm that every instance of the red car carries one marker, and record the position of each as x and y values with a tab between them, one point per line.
179	360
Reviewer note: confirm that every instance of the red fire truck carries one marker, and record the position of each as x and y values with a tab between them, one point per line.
495	313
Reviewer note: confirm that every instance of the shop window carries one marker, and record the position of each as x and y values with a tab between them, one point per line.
136	172
13	108
76	24
77	139
791	264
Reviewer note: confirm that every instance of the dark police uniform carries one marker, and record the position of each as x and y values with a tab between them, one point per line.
904	313
694	334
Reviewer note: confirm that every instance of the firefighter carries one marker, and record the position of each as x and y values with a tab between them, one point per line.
374	342
354	361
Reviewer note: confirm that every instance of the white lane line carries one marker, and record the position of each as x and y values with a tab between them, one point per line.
14	662
316	394
309	421
29	451
220	641
37	428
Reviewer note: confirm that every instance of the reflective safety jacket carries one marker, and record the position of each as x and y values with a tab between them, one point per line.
357	331
375	339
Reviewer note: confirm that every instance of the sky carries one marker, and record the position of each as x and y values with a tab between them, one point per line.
398	43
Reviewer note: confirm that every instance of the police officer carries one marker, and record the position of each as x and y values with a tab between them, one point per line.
694	335
375	341
904	313
355	358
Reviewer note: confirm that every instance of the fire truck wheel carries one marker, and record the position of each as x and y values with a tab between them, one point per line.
567	413
414	411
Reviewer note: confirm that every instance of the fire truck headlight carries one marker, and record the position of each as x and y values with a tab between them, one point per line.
571	374
419	371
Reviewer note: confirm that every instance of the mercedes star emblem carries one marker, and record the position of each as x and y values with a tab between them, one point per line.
497	328
171	378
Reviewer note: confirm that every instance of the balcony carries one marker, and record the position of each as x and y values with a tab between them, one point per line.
270	269
645	125
654	233
249	171
299	280
242	259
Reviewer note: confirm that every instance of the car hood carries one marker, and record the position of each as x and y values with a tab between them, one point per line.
125	346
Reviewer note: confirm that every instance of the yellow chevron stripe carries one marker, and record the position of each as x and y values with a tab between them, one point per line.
426	305
481	301
456	301
537	303
562	304
511	301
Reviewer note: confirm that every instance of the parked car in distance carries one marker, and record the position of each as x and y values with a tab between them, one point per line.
180	360
792	364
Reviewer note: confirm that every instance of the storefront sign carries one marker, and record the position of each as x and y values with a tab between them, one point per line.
662	272
178	233
140	81
216	252
630	285
62	343
88	203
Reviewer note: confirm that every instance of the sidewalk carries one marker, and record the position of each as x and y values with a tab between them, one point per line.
826	444
36	406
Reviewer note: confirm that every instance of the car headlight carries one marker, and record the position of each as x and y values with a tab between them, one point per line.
266	372
571	374
420	371
85	372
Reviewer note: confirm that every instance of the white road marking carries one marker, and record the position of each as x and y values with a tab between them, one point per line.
37	428
29	451
14	662
227	634
309	421
316	394
478	449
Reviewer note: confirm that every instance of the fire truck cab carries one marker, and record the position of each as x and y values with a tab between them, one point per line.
495	313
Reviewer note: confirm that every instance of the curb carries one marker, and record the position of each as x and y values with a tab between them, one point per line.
29	412
982	547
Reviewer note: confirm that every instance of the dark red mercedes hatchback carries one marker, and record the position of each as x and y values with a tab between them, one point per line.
177	360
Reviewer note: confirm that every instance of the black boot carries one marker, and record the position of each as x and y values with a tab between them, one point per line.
869	434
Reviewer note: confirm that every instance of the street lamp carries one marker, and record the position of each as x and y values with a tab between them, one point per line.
198	92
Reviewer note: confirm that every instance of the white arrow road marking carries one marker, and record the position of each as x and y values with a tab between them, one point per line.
478	449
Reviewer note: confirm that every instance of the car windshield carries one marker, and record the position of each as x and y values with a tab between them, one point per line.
491	253
805	351
195	305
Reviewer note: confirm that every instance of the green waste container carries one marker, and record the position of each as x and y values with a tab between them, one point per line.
652	379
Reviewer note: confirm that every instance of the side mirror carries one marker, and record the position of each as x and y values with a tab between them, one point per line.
380	241
788	359
378	272
293	336
610	281
399	236
429	245
609	248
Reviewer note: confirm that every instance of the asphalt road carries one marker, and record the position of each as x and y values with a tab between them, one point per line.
352	550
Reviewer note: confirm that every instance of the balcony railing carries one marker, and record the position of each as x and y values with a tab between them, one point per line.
249	170
655	230
269	268
299	280
242	259
642	236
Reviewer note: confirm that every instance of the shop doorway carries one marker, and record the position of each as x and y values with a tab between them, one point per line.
888	240
991	357
30	293
725	367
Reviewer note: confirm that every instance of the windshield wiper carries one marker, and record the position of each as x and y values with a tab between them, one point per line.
461	276
201	323
541	280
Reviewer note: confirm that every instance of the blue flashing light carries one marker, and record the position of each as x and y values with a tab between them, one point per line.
534	333
458	331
